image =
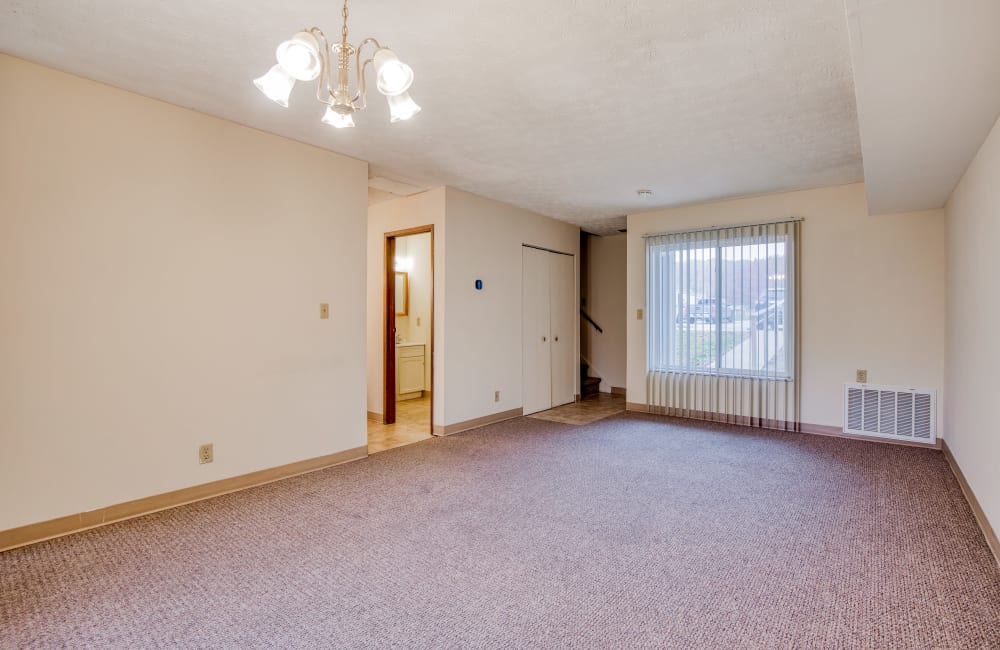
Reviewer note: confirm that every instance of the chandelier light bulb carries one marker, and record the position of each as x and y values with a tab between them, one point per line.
396	78
392	76
401	107
299	56
337	120
276	85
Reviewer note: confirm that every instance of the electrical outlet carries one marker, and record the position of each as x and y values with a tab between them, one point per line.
862	377
324	310
206	454
496	396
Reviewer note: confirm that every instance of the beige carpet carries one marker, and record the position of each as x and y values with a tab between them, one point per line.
632	532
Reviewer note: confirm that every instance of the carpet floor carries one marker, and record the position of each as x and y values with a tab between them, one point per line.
632	532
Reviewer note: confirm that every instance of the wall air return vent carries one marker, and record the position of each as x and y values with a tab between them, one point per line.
886	412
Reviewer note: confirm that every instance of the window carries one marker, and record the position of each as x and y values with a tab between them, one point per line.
720	301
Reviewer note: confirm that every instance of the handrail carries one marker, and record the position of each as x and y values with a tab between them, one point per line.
590	320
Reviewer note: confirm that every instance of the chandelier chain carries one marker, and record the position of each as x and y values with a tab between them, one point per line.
344	29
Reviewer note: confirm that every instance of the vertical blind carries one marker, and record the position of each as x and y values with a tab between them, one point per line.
722	322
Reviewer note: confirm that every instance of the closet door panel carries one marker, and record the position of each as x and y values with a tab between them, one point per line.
563	314
536	341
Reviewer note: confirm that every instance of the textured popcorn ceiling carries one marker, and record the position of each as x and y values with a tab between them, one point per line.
566	107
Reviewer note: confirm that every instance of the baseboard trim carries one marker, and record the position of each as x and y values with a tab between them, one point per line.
709	416
617	390
837	432
977	510
61	526
376	417
459	427
777	425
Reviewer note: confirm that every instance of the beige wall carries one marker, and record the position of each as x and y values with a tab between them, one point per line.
160	279
872	291
422	209
604	288
484	327
973	351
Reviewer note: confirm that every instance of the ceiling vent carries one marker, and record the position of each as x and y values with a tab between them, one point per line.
885	412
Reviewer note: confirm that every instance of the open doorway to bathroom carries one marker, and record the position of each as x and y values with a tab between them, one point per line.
408	334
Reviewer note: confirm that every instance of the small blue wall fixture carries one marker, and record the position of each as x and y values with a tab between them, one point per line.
479	285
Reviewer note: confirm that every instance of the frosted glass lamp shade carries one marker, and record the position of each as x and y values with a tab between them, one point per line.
337	120
299	56
392	76
276	85
401	107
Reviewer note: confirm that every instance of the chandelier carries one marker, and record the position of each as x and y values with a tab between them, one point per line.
308	56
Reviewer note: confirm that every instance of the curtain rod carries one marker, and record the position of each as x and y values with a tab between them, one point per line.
735	225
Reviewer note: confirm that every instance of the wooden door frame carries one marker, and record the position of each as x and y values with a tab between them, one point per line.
389	324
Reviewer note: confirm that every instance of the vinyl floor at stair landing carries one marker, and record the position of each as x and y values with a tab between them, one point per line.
413	424
589	409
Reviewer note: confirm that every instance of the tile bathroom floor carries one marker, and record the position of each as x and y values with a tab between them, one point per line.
413	424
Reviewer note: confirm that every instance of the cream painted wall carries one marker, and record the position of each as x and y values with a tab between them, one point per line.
422	209
972	350
484	327
481	239
160	279
873	291
604	286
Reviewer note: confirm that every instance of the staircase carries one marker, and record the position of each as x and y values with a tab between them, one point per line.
588	385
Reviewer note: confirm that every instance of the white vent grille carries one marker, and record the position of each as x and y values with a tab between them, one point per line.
886	412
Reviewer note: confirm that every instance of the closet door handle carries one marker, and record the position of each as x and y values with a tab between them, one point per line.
544	339
557	339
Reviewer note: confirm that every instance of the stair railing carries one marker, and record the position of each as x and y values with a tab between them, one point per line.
590	320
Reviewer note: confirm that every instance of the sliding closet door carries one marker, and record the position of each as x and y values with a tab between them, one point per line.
537	365
562	303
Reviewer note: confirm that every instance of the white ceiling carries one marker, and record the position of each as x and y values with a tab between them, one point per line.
928	87
565	107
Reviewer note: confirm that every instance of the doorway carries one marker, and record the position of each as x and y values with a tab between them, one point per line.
408	340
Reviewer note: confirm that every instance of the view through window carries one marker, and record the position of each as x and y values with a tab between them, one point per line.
720	302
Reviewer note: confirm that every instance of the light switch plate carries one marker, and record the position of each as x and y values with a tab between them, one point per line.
862	377
324	311
638	314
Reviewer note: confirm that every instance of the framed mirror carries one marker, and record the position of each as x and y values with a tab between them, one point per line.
402	293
